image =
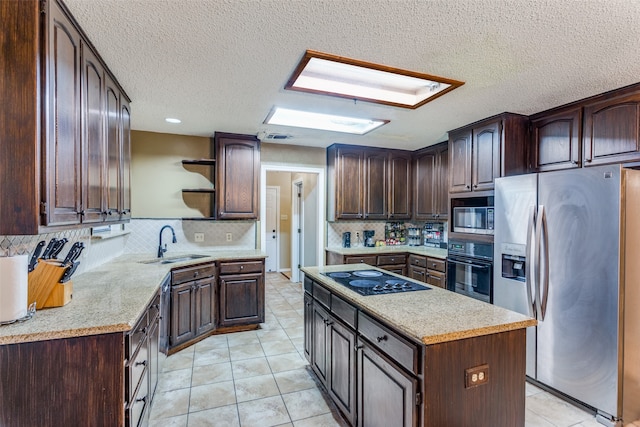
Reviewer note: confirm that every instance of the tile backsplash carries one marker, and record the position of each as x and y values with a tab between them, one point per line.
335	230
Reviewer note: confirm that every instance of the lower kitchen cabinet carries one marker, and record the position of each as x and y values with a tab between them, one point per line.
241	293
308	327
428	270
387	395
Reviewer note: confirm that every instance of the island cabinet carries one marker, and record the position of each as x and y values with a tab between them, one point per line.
378	375
483	151
368	183
431	186
54	154
193	304
237	176
110	382
241	293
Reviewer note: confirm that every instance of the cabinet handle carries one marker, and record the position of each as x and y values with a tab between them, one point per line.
362	261
575	162
328	322
142	399
467	187
143	363
308	304
242	267
475	186
143	331
588	160
434	265
81	213
382	338
196	273
358	347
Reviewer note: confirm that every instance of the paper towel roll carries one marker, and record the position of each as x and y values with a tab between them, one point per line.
14	287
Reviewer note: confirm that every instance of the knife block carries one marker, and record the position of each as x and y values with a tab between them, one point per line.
45	288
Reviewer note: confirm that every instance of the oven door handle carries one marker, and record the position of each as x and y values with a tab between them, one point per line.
469	264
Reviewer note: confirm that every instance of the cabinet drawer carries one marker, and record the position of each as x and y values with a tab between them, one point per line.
344	311
418	260
392	259
437	278
321	294
241	267
136	370
136	335
137	406
398	348
308	285
437	264
371	260
192	273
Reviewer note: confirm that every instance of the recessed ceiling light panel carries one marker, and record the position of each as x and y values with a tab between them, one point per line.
330	122
172	120
332	75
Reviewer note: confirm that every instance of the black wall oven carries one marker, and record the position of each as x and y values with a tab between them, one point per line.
470	269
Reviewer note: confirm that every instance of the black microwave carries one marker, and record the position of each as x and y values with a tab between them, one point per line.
473	220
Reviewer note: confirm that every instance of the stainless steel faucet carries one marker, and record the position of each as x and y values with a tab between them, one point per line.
162	250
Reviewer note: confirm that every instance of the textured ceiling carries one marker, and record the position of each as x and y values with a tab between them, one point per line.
221	65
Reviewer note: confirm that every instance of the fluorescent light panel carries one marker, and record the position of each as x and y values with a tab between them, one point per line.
330	122
349	78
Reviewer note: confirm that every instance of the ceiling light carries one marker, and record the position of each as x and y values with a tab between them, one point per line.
305	119
172	120
333	75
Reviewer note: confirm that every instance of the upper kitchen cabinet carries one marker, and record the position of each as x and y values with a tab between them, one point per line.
431	191
612	127
485	150
237	176
556	140
368	183
55	137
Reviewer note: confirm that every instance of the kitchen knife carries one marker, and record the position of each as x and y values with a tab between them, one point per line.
49	248
74	253
69	271
58	247
35	255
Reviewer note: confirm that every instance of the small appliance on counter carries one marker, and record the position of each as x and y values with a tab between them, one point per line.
433	235
369	241
346	239
414	236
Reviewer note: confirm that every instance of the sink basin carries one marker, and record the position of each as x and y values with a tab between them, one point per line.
174	259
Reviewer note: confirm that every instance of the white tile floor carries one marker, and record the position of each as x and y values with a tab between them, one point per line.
261	378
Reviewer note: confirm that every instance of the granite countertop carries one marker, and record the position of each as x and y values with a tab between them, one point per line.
433	316
108	298
417	250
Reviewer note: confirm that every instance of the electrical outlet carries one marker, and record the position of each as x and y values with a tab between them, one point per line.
229	237
198	237
476	376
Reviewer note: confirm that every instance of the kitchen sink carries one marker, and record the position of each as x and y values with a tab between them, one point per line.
174	259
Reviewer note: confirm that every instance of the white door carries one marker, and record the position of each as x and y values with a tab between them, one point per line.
272	244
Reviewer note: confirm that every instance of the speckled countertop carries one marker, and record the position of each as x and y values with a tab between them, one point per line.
433	316
108	298
417	250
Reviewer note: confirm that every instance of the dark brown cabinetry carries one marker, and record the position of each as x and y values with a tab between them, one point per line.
486	150
556	140
237	176
241	293
368	183
192	304
431	187
55	174
428	270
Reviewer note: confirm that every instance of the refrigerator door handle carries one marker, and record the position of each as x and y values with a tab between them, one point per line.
530	266
544	244
538	264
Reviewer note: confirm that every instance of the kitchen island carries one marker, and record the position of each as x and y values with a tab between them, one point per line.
95	360
424	358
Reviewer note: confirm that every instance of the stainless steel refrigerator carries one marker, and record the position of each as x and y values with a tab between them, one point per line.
566	251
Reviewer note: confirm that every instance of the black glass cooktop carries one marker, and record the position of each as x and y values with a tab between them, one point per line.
374	282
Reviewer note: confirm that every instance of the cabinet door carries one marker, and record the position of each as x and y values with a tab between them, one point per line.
238	173
205	305
154	336
113	180
241	299
93	141
375	184
349	183
460	162
400	186
425	185
182	313
320	341
612	130
63	150
441	203
308	327
387	396
556	140
342	367
486	156
125	158
418	273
